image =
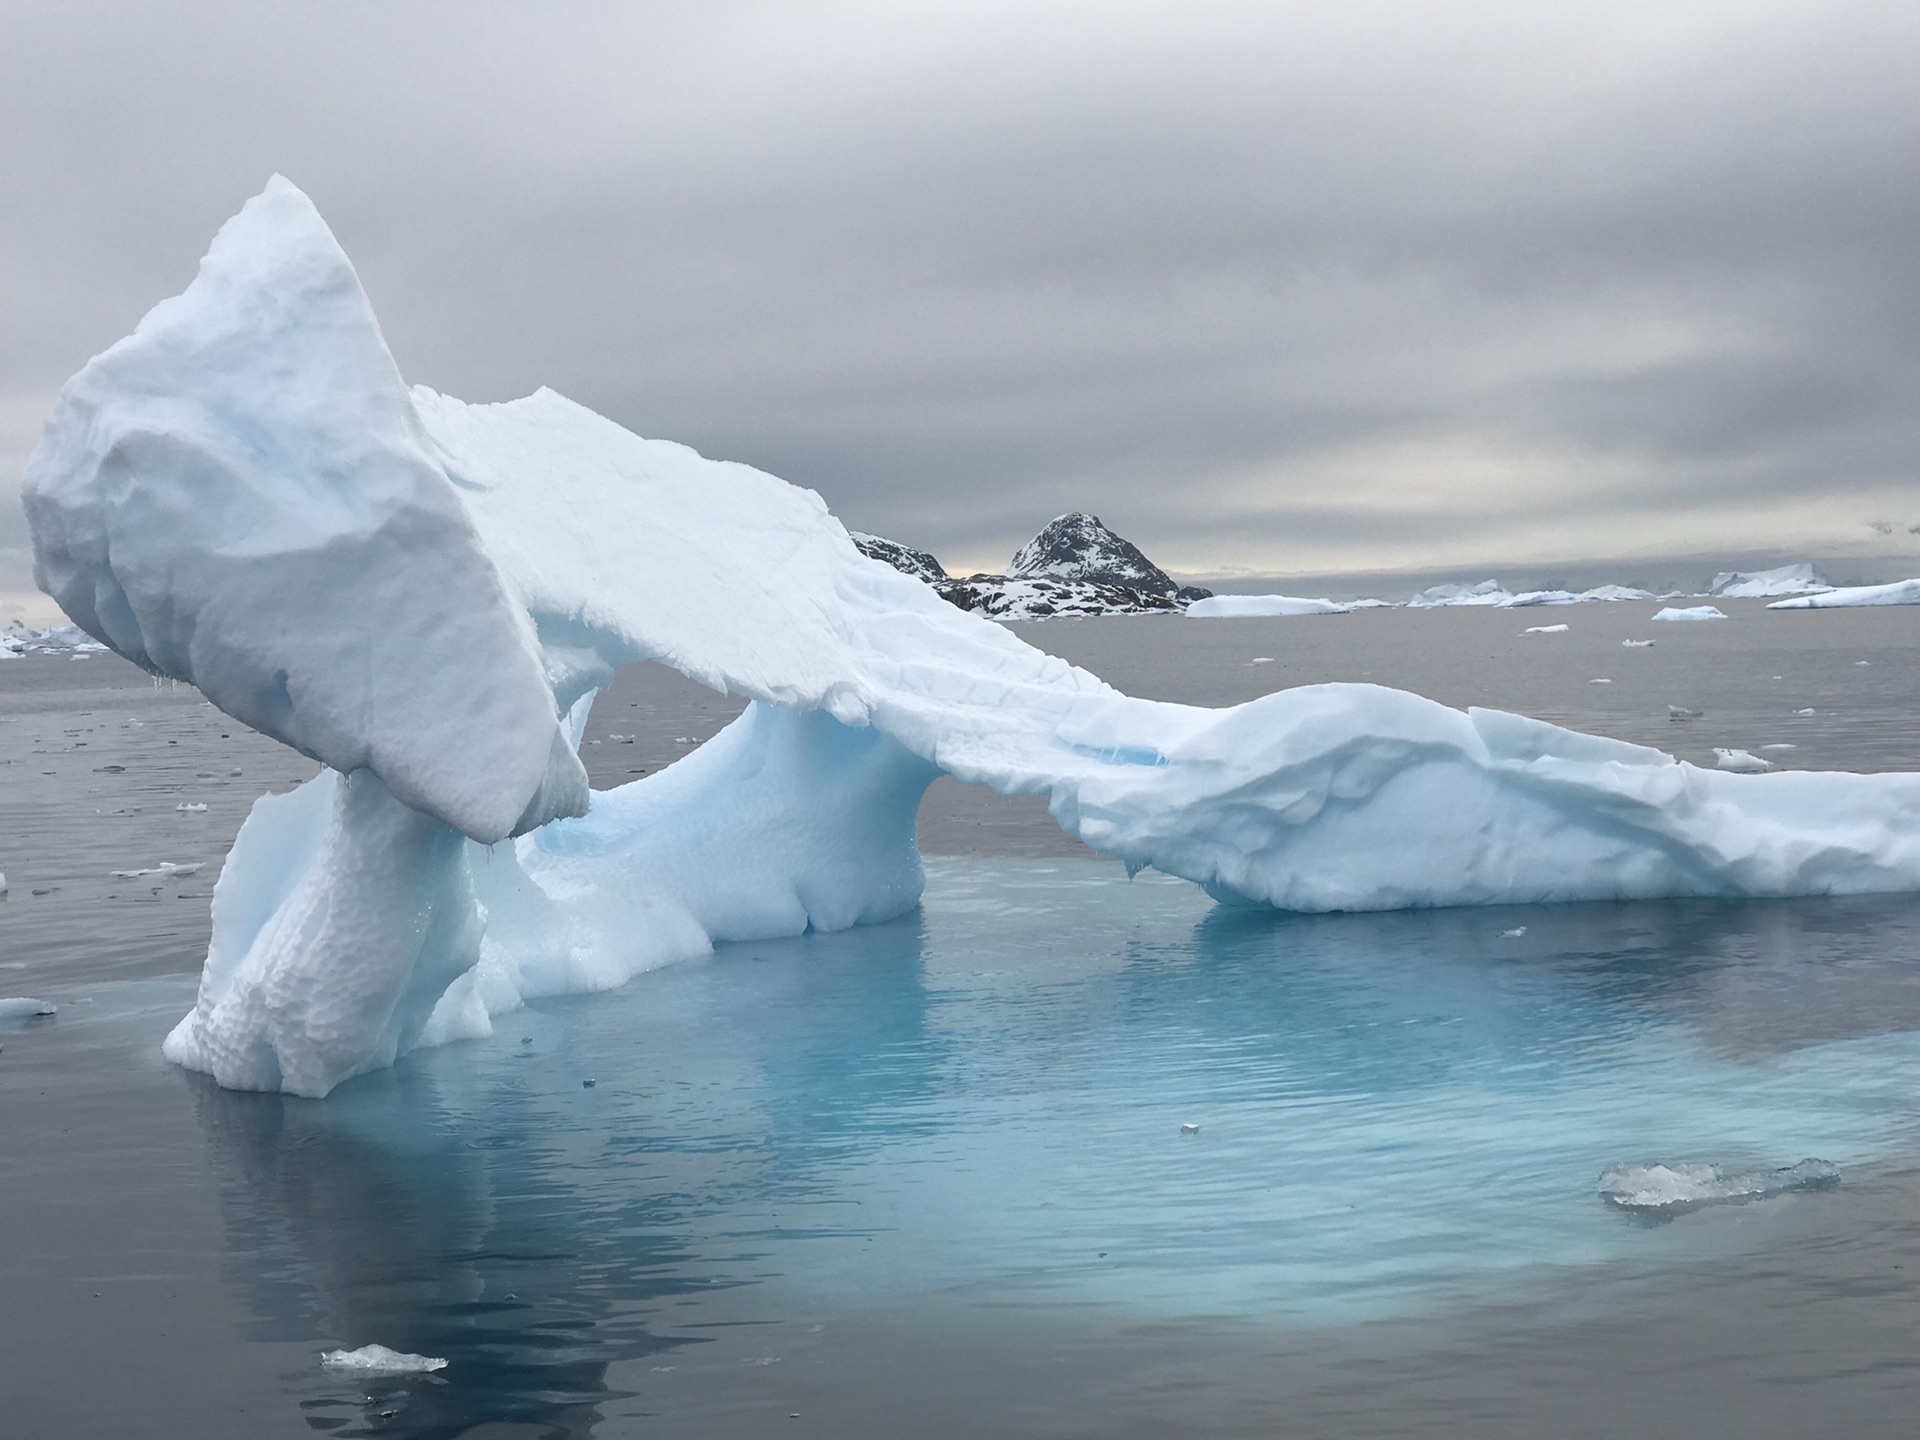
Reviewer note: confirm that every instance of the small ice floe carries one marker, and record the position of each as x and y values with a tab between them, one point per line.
1741	762
1683	1186
166	869
1681	712
1189	1129
25	1007
621	739
189	808
1808	711
1691	612
1599	682
1636	644
1780	745
1545	630
379	1360
3	884
1863	662
1261	660
1513	934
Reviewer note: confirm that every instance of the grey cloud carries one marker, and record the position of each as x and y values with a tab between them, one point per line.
1367	284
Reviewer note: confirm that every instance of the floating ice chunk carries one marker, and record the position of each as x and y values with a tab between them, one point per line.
1681	712
1808	711
1545	630
1636	644
1236	607
1600	680
3	882
1691	612
379	1360
1741	762
1513	934
1760	584
1901	592
166	869
1780	745
20	1007
1682	1186
1189	1129
191	808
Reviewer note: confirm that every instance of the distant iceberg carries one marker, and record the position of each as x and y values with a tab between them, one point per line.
1690	612
1493	593
1762	584
1901	592
1232	607
425	595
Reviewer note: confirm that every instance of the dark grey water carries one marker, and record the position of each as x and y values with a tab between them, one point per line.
929	1177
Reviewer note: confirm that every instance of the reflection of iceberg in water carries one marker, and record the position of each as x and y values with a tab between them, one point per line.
536	1236
1399	1112
425	595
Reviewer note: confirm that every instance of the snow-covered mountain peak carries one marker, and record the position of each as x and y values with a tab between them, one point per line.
1076	546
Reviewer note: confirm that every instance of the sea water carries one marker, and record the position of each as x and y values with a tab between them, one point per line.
1051	1094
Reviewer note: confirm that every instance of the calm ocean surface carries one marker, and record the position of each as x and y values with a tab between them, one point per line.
930	1178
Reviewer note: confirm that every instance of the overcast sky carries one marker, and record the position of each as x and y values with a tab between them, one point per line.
1352	284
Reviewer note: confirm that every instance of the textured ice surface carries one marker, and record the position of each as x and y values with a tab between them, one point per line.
1760	584
379	1360
425	594
1690	612
1493	593
1218	607
1901	592
1681	1186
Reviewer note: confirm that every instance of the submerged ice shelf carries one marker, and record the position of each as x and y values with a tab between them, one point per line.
425	595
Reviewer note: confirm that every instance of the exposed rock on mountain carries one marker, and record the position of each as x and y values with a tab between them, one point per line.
1077	546
1005	598
1075	566
904	558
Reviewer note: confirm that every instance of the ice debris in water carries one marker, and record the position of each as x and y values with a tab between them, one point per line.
378	1359
1189	1129
1636	644
191	809
21	1007
1681	712
1741	762
1513	934
165	869
1545	630
1674	1189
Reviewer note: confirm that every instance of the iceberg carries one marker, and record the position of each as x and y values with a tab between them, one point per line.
1901	592
1763	584
1235	607
425	595
1493	593
1690	612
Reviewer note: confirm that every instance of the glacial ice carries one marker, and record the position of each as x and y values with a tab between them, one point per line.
1764	584
426	594
1901	592
1690	612
1493	593
379	1360
1234	607
1661	1189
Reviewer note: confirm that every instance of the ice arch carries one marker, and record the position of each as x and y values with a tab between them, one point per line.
424	595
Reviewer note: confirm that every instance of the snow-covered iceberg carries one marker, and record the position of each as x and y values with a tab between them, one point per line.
1764	584
1901	592
1492	593
425	595
1239	607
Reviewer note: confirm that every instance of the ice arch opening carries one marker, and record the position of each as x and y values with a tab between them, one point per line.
425	595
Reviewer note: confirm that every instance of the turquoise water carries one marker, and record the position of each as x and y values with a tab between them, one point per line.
1397	1116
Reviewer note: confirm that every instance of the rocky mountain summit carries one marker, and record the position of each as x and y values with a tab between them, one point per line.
1075	566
